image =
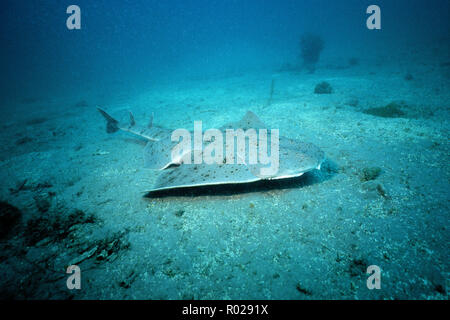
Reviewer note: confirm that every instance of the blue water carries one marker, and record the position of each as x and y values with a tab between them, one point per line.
74	194
145	42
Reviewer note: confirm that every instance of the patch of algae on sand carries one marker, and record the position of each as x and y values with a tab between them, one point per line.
392	110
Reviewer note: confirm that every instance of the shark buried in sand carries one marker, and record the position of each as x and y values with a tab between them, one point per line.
180	170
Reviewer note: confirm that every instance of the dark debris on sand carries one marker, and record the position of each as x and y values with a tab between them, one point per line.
9	218
43	246
323	88
391	110
370	173
37	246
51	224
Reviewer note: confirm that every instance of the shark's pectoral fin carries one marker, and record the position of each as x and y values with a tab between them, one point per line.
192	175
157	154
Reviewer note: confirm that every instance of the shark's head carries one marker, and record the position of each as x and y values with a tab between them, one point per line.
312	158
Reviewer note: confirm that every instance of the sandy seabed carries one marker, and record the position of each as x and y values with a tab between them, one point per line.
381	197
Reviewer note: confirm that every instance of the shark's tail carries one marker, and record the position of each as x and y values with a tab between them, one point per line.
112	125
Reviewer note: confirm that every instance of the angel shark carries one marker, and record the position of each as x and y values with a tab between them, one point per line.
294	157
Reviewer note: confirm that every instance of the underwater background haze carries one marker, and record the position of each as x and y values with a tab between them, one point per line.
376	102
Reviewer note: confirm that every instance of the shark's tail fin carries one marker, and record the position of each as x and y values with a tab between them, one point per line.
112	125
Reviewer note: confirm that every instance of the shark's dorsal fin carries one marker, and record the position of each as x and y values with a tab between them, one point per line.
249	121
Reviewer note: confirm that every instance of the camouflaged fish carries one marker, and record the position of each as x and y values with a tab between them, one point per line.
295	157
